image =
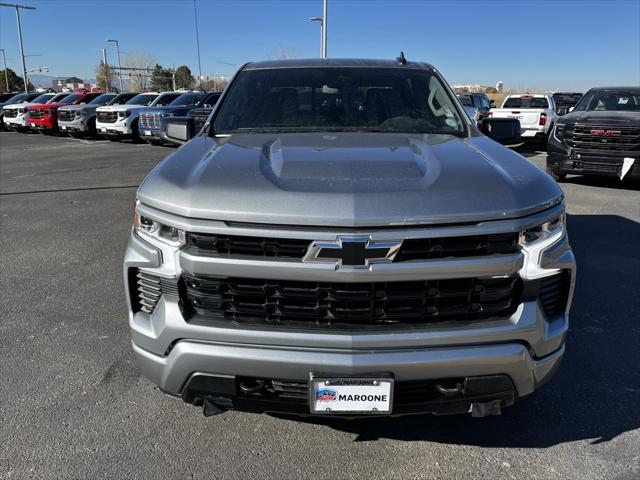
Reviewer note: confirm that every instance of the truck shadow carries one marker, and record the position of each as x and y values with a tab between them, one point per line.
595	394
605	182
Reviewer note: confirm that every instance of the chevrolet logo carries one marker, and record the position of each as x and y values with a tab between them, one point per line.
353	252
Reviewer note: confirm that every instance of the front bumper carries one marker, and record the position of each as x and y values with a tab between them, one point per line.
562	160
526	348
150	134
46	124
118	129
75	126
16	122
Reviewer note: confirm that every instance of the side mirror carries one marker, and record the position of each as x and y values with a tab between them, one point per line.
503	130
177	130
492	103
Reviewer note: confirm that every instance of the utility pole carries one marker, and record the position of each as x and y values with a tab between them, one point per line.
24	67
195	16
6	75
119	64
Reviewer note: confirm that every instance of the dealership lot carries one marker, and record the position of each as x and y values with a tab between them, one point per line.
73	405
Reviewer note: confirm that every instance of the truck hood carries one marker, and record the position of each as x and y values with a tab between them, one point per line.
167	109
18	105
79	107
602	118
348	180
120	108
46	106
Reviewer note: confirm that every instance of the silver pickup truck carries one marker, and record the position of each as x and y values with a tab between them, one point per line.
341	239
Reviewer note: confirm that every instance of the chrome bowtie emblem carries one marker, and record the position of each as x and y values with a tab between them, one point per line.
354	252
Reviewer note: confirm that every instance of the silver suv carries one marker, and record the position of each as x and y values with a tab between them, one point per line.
341	239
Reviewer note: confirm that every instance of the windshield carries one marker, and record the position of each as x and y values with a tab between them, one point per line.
44	98
165	100
142	99
121	98
16	98
188	99
338	99
466	101
615	100
69	99
57	97
526	102
102	99
566	99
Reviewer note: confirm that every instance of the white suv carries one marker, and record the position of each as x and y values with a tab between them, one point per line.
121	121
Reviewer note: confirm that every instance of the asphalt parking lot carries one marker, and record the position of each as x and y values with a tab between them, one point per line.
73	405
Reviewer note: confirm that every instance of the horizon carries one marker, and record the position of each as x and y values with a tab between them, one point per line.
526	54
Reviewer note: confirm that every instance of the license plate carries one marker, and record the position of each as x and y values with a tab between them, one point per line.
103	129
63	127
351	395
147	132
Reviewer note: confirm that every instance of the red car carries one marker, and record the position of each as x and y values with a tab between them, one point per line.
44	118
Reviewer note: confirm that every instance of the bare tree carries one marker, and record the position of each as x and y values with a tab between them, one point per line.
144	63
284	53
105	77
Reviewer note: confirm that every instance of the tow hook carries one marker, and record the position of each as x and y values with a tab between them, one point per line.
449	392
211	408
484	409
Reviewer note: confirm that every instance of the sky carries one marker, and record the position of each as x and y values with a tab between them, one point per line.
539	45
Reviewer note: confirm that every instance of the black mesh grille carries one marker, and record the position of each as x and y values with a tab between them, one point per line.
323	304
11	113
603	137
107	117
66	115
413	249
36	113
554	292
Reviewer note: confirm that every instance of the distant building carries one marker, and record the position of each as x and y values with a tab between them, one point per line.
73	84
500	86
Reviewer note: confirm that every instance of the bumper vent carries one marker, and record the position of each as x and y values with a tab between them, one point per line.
319	304
554	292
147	290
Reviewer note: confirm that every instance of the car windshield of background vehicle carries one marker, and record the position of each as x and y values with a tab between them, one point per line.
605	100
44	98
165	100
526	102
142	99
16	98
188	99
350	99
122	98
466	101
101	99
566	99
69	99
57	97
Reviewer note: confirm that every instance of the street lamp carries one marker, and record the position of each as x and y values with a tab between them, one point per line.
6	76
230	64
18	7
323	29
119	65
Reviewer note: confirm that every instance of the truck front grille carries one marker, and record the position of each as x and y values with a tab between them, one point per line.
603	137
200	116
203	244
324	304
66	115
36	113
107	117
11	113
150	121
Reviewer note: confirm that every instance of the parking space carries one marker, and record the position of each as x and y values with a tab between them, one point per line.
73	405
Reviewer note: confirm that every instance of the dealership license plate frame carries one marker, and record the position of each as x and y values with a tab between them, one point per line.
350	384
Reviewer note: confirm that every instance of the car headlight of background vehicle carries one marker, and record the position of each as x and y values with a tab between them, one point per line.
124	114
146	226
558	131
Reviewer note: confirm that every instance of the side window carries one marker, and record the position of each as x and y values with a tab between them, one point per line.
485	105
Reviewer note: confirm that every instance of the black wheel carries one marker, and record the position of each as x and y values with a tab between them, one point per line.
557	176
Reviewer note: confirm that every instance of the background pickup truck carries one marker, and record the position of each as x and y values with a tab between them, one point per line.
537	115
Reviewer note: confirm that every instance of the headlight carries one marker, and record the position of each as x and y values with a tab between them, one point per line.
558	131
81	113
124	114
165	233
547	232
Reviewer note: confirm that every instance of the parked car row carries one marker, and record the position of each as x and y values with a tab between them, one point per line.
112	116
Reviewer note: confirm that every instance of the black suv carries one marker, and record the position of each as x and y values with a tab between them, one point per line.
600	137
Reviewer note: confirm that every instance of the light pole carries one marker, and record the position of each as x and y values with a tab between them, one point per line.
6	76
24	68
323	29
195	16
230	64
119	65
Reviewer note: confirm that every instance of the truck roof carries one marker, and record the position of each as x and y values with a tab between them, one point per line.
335	62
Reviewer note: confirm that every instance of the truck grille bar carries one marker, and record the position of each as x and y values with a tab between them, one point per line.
603	137
107	117
150	121
323	304
66	115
